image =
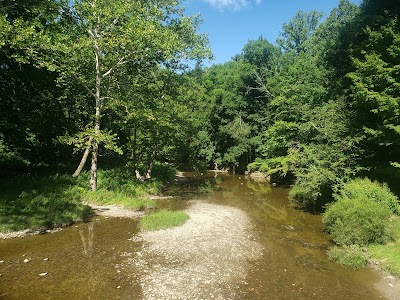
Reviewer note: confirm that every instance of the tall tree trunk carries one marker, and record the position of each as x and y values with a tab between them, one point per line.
150	166
134	157
95	146
84	159
93	168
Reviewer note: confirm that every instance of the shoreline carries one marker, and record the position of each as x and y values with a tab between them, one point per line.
113	211
388	284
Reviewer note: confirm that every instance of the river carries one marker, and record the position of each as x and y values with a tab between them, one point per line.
96	260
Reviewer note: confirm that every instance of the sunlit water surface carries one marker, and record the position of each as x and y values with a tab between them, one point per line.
88	261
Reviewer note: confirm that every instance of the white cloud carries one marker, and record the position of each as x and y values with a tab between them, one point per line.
233	4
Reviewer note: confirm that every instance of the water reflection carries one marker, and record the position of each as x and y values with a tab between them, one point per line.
87	242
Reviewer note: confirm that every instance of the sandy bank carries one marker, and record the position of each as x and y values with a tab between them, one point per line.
206	258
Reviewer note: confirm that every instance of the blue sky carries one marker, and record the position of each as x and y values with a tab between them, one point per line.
230	24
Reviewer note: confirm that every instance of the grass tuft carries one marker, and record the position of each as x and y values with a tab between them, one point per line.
104	197
352	256
163	219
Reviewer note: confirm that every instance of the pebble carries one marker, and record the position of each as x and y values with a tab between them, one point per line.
43	274
26	260
45	259
1	261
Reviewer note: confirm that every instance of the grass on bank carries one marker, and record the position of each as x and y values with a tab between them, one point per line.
163	219
352	256
28	202
389	254
53	201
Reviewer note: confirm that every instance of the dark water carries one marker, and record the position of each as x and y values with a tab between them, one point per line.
87	261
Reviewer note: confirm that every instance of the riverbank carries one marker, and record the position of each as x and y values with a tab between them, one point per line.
41	203
109	211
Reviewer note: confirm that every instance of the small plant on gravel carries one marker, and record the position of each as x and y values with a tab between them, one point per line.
163	219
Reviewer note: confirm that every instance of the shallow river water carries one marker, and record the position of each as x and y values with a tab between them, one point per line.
91	260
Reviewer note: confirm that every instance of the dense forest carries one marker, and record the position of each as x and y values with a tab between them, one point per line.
90	86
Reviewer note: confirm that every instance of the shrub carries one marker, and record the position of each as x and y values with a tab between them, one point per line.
365	188
360	215
352	256
163	172
319	170
163	219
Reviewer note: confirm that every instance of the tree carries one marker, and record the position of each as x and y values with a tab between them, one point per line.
235	116
331	39
298	31
32	114
259	52
94	41
373	81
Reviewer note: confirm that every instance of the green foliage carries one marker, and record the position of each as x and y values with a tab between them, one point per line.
163	219
357	221
278	168
259	52
235	113
298	31
319	170
51	201
81	140
278	138
361	214
352	256
118	186
164	172
84	53
365	188
372	79
123	181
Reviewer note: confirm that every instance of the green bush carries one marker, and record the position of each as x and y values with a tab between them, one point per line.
163	219
365	188
121	180
352	256
163	172
361	214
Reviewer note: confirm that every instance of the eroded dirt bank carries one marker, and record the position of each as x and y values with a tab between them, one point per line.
206	258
